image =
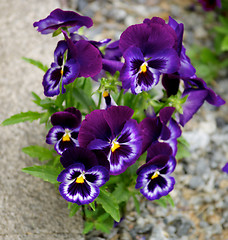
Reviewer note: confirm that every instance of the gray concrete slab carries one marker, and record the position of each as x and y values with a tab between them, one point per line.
29	208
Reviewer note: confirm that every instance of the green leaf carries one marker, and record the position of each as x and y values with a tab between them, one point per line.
85	100
92	205
121	192
39	152
36	63
137	204
109	203
88	227
22	117
224	46
73	209
182	148
47	173
104	226
163	201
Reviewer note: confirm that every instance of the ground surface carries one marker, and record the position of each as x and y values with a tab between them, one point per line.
32	209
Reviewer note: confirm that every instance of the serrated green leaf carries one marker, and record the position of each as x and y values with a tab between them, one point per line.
36	63
163	201
73	209
109	203
39	152
121	193
47	173
88	226
22	117
224	46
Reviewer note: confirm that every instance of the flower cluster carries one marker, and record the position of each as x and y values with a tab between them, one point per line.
105	142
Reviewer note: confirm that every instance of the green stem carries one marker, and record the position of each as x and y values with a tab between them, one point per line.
119	99
99	101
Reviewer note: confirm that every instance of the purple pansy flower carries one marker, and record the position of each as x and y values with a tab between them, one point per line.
148	50
209	5
162	128
198	92
225	168
59	18
82	176
171	81
64	133
114	132
83	60
154	176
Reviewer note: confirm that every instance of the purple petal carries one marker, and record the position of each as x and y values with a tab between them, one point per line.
169	167
94	126
158	149
97	175
111	66
70	173
116	117
78	155
194	101
59	18
165	61
171	83
55	134
51	81
69	118
130	148
209	5
165	114
225	168
59	52
61	145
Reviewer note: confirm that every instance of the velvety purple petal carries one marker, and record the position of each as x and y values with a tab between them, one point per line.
186	68
225	168
98	144
89	58
97	175
111	66
67	119
171	83
151	130
94	126
165	114
209	5
165	61
116	117
78	155
161	186
101	43
214	99
130	142
113	52
59	52
150	38
102	159
59	18
169	167
159	148
80	193
61	145
71	173
55	134
71	71
179	30
51	81
76	113
157	162
194	101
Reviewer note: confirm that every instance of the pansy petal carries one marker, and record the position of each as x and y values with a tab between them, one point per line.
169	167
225	168
80	193
55	134
51	81
171	83
59	52
94	126
69	174
158	187
78	155
194	101
116	117
97	175
159	148
59	18
166	61
61	145
67	119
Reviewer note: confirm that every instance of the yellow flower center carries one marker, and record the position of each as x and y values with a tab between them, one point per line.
115	145
105	94
143	67
155	175
80	179
61	72
66	136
